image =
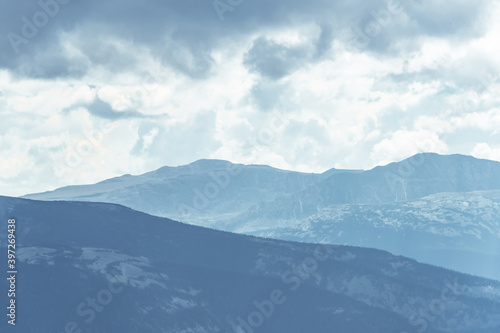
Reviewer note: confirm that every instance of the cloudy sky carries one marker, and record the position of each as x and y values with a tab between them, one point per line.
94	89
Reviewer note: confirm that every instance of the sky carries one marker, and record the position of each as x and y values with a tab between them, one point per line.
90	89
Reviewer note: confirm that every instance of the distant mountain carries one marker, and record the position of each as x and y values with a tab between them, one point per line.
398	207
443	210
202	192
416	177
93	267
460	231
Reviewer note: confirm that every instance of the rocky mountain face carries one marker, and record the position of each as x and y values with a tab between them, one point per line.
95	267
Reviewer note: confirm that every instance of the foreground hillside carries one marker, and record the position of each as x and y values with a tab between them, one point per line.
106	268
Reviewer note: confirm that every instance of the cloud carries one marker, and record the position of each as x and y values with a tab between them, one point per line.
268	94
300	85
274	60
104	110
484	150
403	144
184	34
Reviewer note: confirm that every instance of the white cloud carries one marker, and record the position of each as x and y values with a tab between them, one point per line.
484	150
487	121
402	144
435	124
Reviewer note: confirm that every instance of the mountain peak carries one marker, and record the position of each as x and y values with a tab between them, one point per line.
206	163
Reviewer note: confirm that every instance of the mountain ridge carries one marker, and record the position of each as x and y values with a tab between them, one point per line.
307	207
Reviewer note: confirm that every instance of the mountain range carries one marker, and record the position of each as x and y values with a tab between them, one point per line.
204	191
98	267
438	209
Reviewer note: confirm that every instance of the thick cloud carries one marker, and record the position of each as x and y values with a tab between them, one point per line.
274	60
305	85
185	33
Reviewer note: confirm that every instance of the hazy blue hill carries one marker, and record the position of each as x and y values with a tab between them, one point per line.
176	277
418	176
212	190
201	192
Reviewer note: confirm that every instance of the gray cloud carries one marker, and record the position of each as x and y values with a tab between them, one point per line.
184	33
188	54
274	60
103	110
325	40
50	63
397	26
